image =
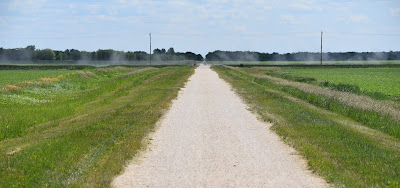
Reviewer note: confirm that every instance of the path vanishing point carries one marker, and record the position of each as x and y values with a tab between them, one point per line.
208	138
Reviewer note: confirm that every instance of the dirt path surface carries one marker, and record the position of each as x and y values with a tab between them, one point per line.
209	139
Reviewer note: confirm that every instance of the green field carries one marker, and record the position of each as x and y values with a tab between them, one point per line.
350	140
14	76
80	129
388	62
383	80
98	62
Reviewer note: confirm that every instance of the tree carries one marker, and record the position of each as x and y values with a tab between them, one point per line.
104	54
59	55
75	54
66	55
171	51
156	51
29	51
30	48
46	54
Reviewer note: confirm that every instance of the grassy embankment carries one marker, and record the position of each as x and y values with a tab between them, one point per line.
80	128
350	140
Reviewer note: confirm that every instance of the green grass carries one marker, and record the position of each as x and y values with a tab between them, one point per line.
14	76
96	62
383	80
333	144
389	62
372	117
91	124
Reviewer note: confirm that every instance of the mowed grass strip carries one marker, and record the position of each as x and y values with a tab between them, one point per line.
346	156
380	115
90	147
43	100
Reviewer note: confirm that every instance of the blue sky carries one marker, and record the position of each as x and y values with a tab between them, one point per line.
202	26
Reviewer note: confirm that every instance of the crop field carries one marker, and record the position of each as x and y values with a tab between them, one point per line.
349	138
383	80
68	128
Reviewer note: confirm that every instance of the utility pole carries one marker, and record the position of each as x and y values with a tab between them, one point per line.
150	47
321	47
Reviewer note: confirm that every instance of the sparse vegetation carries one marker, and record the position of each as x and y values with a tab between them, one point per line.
348	145
77	129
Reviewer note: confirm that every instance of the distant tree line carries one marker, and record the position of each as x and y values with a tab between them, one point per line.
31	53
171	55
300	56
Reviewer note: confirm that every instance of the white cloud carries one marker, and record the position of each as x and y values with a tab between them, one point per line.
343	6
2	21
93	8
240	28
395	11
106	17
217	1
359	19
301	6
306	5
354	19
384	2
291	19
25	5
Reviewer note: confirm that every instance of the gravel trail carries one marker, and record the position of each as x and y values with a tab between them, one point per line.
209	139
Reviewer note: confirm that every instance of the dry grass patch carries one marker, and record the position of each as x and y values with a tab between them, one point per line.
49	79
11	87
